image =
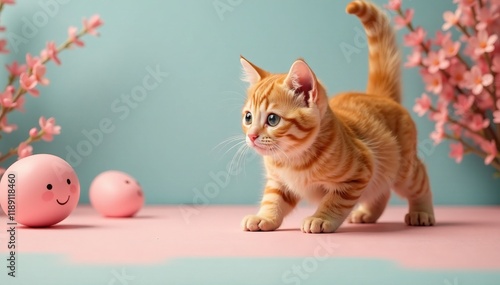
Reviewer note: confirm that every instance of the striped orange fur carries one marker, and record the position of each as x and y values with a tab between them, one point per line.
339	153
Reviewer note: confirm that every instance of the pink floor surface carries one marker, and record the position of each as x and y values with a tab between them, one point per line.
464	238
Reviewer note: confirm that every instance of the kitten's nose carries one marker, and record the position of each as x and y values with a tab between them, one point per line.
253	137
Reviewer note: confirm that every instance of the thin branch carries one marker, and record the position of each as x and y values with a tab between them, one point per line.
476	151
20	91
29	140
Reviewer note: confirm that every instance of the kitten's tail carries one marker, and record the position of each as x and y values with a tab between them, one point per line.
384	55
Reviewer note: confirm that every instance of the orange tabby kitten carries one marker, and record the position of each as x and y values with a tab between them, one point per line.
350	150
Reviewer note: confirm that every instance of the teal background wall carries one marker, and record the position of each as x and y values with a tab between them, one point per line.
166	137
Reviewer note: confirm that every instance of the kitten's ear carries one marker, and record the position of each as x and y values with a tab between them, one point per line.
302	81
251	73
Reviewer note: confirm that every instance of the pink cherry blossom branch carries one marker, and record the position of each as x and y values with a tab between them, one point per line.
485	55
490	133
489	62
474	150
426	49
48	129
14	150
88	29
482	128
453	121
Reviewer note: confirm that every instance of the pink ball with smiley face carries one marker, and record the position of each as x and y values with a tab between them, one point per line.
46	188
116	194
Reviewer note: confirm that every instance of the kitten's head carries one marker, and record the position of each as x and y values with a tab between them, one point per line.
282	113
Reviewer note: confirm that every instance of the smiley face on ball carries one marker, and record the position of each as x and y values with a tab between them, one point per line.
61	197
116	194
47	190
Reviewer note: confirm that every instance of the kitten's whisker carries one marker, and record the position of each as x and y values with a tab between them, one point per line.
232	160
241	95
236	157
241	158
227	141
245	155
235	145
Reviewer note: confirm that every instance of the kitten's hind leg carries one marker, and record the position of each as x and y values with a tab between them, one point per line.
276	204
368	211
415	187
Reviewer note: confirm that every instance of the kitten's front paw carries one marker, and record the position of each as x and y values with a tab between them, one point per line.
255	223
419	219
316	225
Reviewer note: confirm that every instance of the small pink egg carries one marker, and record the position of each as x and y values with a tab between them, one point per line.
40	190
116	194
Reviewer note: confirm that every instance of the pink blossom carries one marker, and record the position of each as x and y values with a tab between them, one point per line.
92	24
496	64
484	101
7	97
486	16
463	104
10	2
436	61
451	19
441	115
438	134
73	38
394	5
49	128
3	44
451	48
33	133
467	18
470	49
51	52
5	127
491	150
29	83
483	43
476	80
24	150
32	60
20	104
414	59
39	73
441	37
457	152
456	129
477	122
401	22
2	170
15	69
433	82
447	94
415	38
496	114
457	75
422	105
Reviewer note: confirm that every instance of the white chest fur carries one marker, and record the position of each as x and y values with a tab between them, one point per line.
301	183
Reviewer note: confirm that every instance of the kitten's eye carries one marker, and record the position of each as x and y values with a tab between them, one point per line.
49	186
248	118
68	181
273	120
